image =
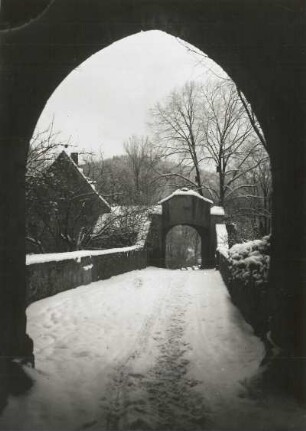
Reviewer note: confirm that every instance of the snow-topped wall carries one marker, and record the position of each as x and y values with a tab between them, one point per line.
244	269
48	274
51	273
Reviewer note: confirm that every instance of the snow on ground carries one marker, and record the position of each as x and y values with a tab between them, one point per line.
148	350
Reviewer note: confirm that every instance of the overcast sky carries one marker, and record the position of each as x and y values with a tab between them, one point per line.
107	98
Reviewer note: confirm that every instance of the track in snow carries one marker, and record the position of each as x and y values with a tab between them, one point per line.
148	350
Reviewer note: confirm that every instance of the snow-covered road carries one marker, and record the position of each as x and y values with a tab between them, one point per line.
148	350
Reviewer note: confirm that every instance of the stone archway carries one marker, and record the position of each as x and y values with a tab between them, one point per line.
183	244
186	207
260	46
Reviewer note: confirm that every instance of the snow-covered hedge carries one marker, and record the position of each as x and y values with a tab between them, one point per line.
250	260
244	268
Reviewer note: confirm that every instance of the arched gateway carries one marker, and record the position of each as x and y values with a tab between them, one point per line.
186	207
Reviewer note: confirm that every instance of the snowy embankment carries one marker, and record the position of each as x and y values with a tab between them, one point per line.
148	350
244	268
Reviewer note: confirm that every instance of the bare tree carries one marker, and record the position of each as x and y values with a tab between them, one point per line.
204	60
255	202
178	131
243	164
230	141
43	147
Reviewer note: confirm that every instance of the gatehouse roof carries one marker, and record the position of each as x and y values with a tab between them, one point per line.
185	192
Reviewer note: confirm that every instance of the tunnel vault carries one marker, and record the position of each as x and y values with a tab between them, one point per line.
261	45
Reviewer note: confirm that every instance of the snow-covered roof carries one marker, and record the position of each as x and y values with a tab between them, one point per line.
216	210
185	192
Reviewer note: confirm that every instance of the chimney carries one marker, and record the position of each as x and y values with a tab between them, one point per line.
75	158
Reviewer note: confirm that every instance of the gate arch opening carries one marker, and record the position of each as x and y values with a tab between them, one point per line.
183	248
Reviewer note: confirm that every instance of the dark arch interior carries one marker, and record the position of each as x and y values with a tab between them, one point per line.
183	247
14	13
261	46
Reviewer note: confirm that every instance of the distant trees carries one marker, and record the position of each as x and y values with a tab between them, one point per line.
111	176
129	179
142	160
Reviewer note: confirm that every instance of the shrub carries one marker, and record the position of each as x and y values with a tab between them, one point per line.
250	260
245	270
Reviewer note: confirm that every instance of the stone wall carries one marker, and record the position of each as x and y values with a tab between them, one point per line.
49	274
155	242
249	297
